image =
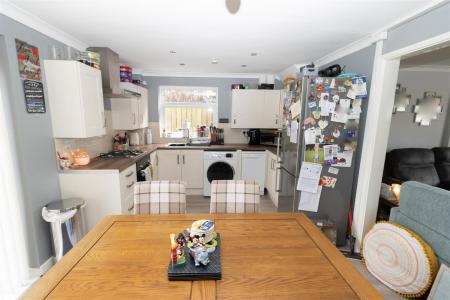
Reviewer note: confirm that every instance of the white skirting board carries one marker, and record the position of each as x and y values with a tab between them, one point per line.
35	273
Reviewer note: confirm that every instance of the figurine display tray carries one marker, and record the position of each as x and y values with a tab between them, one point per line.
189	271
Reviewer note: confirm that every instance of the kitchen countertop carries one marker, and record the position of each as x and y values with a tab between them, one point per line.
121	164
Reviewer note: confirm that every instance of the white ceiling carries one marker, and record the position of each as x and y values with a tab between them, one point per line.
282	32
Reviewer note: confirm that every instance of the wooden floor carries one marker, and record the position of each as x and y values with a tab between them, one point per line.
198	204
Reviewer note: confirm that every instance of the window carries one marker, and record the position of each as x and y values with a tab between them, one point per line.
188	107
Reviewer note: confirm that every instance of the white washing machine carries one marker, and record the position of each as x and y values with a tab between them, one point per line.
219	165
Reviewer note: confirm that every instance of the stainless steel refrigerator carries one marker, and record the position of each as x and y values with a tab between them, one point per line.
311	95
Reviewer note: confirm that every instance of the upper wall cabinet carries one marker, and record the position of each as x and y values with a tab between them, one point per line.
76	99
130	113
256	109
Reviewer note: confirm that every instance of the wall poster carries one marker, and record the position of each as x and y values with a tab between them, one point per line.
31	76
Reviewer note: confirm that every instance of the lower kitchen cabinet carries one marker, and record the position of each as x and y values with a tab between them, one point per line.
272	177
106	192
154	164
186	165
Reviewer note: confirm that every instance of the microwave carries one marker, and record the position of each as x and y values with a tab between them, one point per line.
269	137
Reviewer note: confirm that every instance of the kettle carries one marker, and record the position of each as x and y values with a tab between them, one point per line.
254	136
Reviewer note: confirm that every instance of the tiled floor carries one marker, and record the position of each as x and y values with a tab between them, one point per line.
200	204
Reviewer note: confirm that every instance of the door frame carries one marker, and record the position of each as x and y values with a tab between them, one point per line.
377	130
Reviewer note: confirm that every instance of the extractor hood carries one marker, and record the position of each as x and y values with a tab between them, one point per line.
110	67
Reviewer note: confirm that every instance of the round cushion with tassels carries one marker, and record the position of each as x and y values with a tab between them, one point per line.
400	259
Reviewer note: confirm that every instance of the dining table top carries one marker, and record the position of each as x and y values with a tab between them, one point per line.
263	256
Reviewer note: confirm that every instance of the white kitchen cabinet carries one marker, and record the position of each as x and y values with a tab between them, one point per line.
130	113
256	109
254	167
185	165
271	177
76	99
192	168
169	167
106	192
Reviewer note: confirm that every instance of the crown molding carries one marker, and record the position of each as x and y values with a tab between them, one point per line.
28	19
203	75
425	68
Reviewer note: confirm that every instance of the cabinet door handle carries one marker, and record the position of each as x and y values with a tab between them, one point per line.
277	186
134	118
130	185
129	174
183	160
178	159
104	119
234	121
156	156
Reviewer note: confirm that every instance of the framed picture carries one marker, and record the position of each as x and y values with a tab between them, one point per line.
441	285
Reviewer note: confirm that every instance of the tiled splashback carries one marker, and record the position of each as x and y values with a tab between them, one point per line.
102	144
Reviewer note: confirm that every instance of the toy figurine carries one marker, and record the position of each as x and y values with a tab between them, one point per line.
198	250
177	254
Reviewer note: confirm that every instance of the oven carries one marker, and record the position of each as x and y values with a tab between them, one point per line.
143	169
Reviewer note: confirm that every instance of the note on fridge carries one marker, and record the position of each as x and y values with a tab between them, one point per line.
309	177
293	132
310	201
310	136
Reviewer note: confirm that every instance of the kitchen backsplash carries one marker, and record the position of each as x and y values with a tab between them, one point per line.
102	144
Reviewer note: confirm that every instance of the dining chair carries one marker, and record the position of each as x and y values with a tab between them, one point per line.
160	197
234	196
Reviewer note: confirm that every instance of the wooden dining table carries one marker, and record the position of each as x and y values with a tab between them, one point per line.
263	256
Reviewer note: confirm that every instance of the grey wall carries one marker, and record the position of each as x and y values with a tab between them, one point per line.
360	62
34	141
223	85
431	24
404	132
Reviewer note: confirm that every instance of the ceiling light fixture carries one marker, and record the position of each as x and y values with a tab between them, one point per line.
214	61
233	6
243	66
253	54
182	64
172	51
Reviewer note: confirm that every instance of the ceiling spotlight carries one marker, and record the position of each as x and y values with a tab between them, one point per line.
182	64
214	61
172	51
253	54
243	66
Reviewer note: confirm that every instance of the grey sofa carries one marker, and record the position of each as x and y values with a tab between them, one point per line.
425	210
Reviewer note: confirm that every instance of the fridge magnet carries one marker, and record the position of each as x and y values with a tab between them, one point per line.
333	170
330	154
312	104
344	159
327	181
316	114
310	201
314	153
326	88
319	88
356	102
359	86
319	80
339	115
335	98
342	89
336	133
311	97
348	82
333	83
323	124
321	139
324	96
309	177
327	81
355	112
309	121
351	133
350	145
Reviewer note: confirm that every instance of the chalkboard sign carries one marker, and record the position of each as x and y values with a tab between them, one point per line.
34	96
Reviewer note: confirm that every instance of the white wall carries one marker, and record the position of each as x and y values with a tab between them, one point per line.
404	132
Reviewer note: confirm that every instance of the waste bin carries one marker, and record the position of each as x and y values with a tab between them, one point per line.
68	226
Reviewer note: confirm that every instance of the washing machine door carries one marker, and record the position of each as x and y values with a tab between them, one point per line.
220	171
